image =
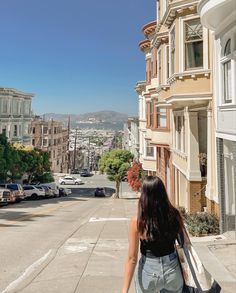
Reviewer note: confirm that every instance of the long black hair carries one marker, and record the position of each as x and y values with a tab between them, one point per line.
157	217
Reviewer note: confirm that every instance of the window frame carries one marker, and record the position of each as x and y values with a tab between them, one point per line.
148	145
172	63
159	66
179	140
158	113
190	42
228	59
205	38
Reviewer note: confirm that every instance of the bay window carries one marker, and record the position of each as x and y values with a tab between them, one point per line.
193	38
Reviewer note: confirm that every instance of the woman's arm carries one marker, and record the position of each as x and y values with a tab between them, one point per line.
132	255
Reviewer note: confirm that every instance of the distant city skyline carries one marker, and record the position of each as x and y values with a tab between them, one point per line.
75	56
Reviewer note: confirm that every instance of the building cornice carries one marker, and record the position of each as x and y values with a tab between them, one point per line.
178	8
140	87
193	74
149	28
144	45
14	92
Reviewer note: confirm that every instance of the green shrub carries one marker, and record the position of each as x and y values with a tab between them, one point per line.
202	223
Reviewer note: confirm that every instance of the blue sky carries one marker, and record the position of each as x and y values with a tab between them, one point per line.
76	56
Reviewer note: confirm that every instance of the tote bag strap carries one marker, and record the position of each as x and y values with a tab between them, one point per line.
181	240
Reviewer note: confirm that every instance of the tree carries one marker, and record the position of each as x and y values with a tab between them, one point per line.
36	164
136	175
17	160
115	164
9	158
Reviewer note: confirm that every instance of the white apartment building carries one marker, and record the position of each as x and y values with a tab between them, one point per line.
219	16
131	136
15	115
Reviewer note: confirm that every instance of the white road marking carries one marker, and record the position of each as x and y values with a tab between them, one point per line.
107	219
26	273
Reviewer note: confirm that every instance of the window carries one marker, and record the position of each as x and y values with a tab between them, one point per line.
167	62
4	106
15	107
161	117
179	133
15	130
4	131
154	62
227	73
159	67
193	36
45	130
149	149
27	108
45	142
151	113
172	51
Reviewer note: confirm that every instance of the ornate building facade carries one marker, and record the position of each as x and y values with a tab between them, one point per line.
179	134
15	115
50	136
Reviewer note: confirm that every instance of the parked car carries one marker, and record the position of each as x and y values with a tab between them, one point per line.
100	192
31	191
85	173
17	190
75	171
70	180
4	195
64	191
54	188
9	195
48	190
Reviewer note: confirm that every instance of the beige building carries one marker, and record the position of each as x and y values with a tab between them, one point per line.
50	136
16	115
179	139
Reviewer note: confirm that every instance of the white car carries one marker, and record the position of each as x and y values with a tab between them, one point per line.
33	192
70	180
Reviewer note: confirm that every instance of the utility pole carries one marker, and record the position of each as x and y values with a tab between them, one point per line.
68	146
75	149
89	154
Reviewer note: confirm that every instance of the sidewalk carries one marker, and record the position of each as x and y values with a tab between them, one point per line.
92	259
218	254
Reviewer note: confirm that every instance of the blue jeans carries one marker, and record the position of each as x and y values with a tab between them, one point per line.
159	274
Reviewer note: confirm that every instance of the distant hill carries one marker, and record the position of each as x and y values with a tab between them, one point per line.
105	116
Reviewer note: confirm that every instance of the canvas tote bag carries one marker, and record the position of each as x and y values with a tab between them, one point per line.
196	278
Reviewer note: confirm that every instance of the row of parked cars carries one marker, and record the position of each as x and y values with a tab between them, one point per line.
14	192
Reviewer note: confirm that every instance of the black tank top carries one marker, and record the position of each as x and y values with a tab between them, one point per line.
157	248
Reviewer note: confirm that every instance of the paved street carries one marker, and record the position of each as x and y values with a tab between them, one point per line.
71	244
